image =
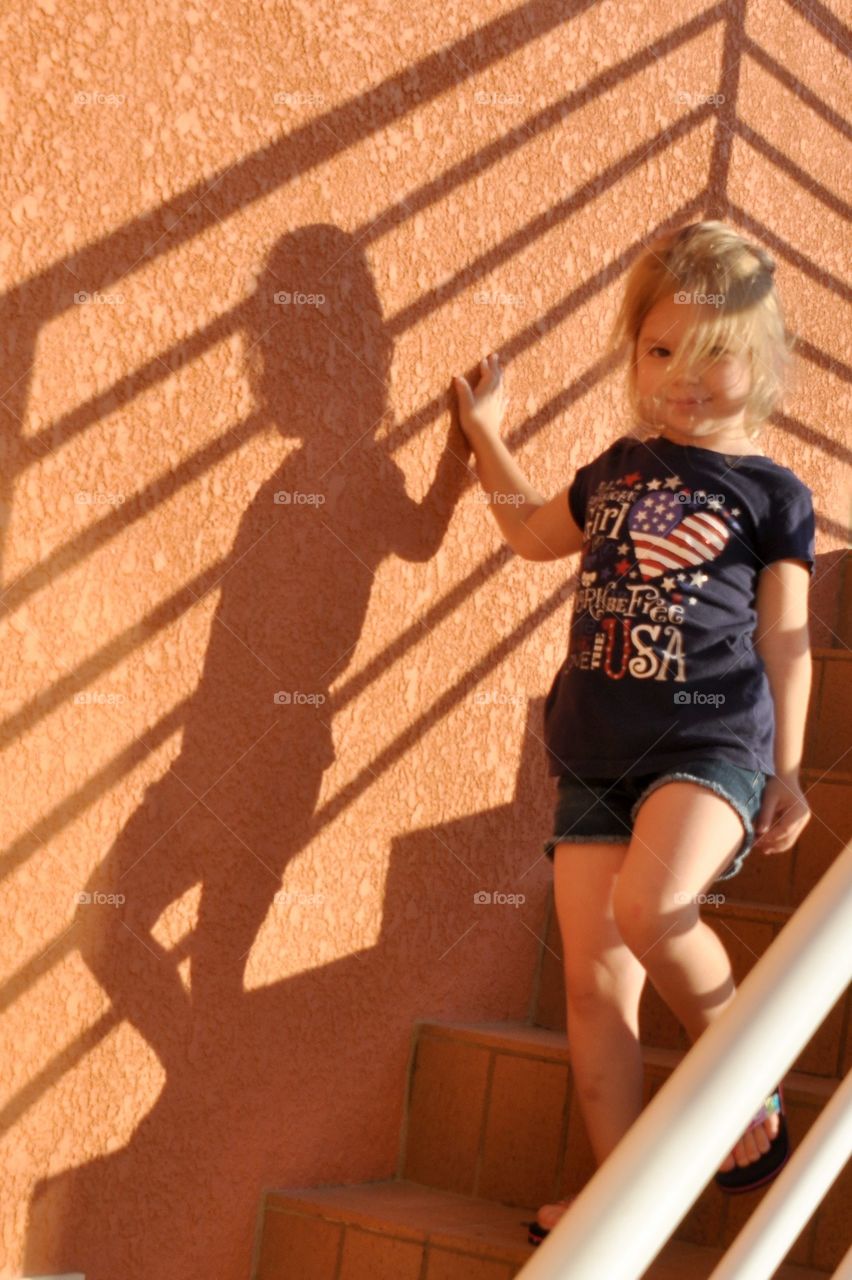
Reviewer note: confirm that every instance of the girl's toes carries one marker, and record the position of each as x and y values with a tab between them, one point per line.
728	1164
549	1214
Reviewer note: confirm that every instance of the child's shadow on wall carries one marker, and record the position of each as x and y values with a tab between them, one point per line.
252	1076
308	1074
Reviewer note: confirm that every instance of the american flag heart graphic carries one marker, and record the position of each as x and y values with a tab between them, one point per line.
665	539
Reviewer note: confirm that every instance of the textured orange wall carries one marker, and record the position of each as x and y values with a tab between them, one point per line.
298	878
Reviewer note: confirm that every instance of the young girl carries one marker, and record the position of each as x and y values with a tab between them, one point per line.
676	723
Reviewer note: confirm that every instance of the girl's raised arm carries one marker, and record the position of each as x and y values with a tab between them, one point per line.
534	528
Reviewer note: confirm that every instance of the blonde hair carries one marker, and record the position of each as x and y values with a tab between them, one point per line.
710	259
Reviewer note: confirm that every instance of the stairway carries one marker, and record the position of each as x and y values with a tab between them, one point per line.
492	1128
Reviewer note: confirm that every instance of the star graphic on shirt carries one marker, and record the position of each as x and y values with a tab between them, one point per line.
692	600
698	579
669	584
621	567
680	577
714	504
622	548
654	484
673	482
632	478
735	511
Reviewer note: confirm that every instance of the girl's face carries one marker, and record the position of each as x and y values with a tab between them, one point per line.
705	401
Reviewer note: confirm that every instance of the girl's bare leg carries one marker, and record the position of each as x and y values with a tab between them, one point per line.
683	836
603	985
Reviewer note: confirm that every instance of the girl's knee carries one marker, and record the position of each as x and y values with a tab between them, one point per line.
644	918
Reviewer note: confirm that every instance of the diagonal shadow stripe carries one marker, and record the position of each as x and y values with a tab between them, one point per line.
831	364
805	95
783	249
560	212
393	752
824	21
155	370
794	427
304	149
109	526
799	175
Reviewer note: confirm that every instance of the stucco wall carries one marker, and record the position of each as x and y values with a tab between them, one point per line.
298	877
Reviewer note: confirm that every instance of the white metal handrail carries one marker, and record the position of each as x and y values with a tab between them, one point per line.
629	1208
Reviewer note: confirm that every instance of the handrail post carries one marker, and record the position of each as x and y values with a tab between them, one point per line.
629	1208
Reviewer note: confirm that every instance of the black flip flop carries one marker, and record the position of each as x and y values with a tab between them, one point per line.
770	1163
535	1232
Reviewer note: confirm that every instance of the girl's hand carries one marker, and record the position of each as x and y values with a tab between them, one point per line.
483	409
784	813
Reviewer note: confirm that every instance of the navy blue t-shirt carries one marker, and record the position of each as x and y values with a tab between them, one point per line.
661	667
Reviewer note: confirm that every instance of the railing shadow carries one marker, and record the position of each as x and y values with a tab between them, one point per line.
182	1195
241	800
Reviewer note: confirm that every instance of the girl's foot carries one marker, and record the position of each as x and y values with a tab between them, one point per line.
753	1144
546	1219
549	1214
761	1152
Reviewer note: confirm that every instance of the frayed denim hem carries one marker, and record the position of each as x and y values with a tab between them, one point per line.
549	846
734	867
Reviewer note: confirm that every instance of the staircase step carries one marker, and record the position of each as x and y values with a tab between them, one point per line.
401	1230
843	629
827	741
492	1113
746	930
786	879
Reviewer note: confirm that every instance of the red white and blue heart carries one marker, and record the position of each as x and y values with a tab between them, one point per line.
666	538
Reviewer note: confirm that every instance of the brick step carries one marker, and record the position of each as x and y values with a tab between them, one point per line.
786	879
827	738
401	1229
843	627
746	930
491	1113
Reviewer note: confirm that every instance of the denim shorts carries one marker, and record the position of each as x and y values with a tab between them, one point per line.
604	809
